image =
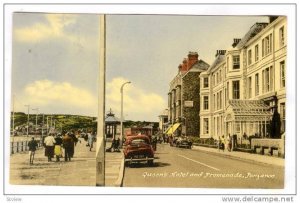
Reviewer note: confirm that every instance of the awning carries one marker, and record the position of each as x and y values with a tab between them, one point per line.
167	129
173	128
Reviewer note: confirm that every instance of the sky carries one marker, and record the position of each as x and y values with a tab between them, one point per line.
56	59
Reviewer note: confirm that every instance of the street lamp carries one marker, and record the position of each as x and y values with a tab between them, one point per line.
37	111
122	118
28	107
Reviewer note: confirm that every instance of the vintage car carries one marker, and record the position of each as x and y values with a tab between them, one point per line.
184	143
138	149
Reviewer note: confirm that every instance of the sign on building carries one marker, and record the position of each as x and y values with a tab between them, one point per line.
188	103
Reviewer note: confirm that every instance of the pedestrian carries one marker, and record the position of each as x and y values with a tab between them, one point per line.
49	146
171	140
229	143
223	143
67	144
74	142
57	147
154	143
32	144
91	139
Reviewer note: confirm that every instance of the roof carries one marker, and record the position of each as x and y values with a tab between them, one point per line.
219	59
200	65
165	112
254	30
111	119
248	110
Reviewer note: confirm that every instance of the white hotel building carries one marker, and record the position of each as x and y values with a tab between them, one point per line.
245	86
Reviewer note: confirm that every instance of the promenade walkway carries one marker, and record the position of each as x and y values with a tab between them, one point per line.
244	156
80	171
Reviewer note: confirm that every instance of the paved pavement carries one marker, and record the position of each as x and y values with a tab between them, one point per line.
114	168
80	171
244	156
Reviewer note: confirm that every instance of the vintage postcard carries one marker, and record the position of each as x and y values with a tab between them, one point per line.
159	101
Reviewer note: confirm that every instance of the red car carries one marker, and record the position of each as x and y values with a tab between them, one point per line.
138	149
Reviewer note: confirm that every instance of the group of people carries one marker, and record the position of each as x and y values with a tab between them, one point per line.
54	145
229	142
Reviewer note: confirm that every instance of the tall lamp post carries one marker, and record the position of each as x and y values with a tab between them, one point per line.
122	117
36	116
28	107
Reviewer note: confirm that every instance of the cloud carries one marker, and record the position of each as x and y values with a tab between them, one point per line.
53	28
139	104
61	97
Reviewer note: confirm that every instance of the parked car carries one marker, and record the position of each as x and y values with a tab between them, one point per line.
138	149
183	142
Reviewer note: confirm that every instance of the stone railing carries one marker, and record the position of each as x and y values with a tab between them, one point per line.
268	146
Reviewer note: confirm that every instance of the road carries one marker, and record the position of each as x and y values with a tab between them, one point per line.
177	167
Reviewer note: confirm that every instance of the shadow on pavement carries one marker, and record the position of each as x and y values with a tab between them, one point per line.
145	165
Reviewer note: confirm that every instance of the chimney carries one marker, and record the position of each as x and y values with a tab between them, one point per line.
235	42
184	65
220	52
192	59
180	67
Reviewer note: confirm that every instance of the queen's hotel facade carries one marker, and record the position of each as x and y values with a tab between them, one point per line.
243	92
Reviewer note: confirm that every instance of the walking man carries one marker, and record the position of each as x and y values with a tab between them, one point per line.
49	144
32	144
68	144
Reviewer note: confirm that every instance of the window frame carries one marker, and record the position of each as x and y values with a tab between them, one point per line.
235	89
236	63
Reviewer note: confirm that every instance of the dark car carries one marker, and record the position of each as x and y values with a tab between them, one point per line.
184	143
138	149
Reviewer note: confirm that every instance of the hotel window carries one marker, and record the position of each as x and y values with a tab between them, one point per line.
282	74
214	82
263	47
205	126
217	78
256	53
237	127
221	105
256	84
249	87
236	62
236	89
215	103
281	36
205	82
263	81
271	78
249	57
217	100
225	95
205	102
227	91
267	80
267	45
